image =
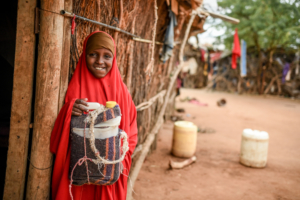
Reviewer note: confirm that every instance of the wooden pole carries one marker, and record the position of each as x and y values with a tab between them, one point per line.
120	20
150	66
21	102
65	62
150	138
97	14
130	62
46	99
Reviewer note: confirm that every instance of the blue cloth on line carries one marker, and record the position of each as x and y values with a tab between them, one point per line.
243	64
169	38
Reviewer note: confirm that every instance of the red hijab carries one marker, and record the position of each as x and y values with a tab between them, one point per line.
84	85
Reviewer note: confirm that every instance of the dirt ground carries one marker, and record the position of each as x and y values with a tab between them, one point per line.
217	173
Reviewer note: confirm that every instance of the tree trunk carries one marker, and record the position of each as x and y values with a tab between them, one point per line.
259	70
264	71
46	100
21	102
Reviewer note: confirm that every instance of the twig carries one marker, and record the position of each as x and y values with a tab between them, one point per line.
130	62
149	68
146	41
148	103
180	165
270	84
97	14
137	149
278	82
120	21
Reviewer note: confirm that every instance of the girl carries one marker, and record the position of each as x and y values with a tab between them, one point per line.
96	79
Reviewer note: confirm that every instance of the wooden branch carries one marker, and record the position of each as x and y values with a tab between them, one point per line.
130	62
150	66
136	150
170	65
147	104
270	84
97	14
120	21
146	41
21	102
278	86
278	82
46	99
180	165
150	138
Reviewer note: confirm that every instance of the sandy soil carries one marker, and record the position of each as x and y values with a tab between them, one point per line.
217	173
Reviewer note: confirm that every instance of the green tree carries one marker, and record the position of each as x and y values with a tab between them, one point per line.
265	24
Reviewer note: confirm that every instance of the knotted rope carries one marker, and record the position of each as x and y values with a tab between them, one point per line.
99	159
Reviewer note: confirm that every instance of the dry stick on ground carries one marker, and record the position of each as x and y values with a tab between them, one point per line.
180	165
150	138
151	64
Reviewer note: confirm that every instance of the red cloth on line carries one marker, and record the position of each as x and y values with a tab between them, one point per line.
236	52
84	85
202	54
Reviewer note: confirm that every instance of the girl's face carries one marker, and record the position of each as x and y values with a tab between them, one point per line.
99	62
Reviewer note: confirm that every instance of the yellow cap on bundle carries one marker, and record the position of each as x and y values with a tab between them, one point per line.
111	104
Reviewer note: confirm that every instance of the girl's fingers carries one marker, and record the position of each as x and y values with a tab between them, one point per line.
80	107
82	101
76	113
76	110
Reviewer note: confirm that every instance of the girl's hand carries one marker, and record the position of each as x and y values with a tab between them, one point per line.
79	106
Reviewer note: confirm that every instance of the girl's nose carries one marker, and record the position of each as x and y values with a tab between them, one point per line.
100	60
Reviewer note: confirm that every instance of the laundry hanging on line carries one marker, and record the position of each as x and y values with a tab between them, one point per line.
236	52
243	64
169	38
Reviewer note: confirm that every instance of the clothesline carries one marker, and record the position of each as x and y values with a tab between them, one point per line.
135	37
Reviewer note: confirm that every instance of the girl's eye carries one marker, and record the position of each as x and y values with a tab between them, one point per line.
92	55
107	56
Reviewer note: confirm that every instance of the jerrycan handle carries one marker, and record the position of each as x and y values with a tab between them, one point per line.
93	105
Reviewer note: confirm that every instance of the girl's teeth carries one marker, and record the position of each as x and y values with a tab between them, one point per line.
99	68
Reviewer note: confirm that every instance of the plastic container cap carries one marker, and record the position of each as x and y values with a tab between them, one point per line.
111	104
255	134
184	124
